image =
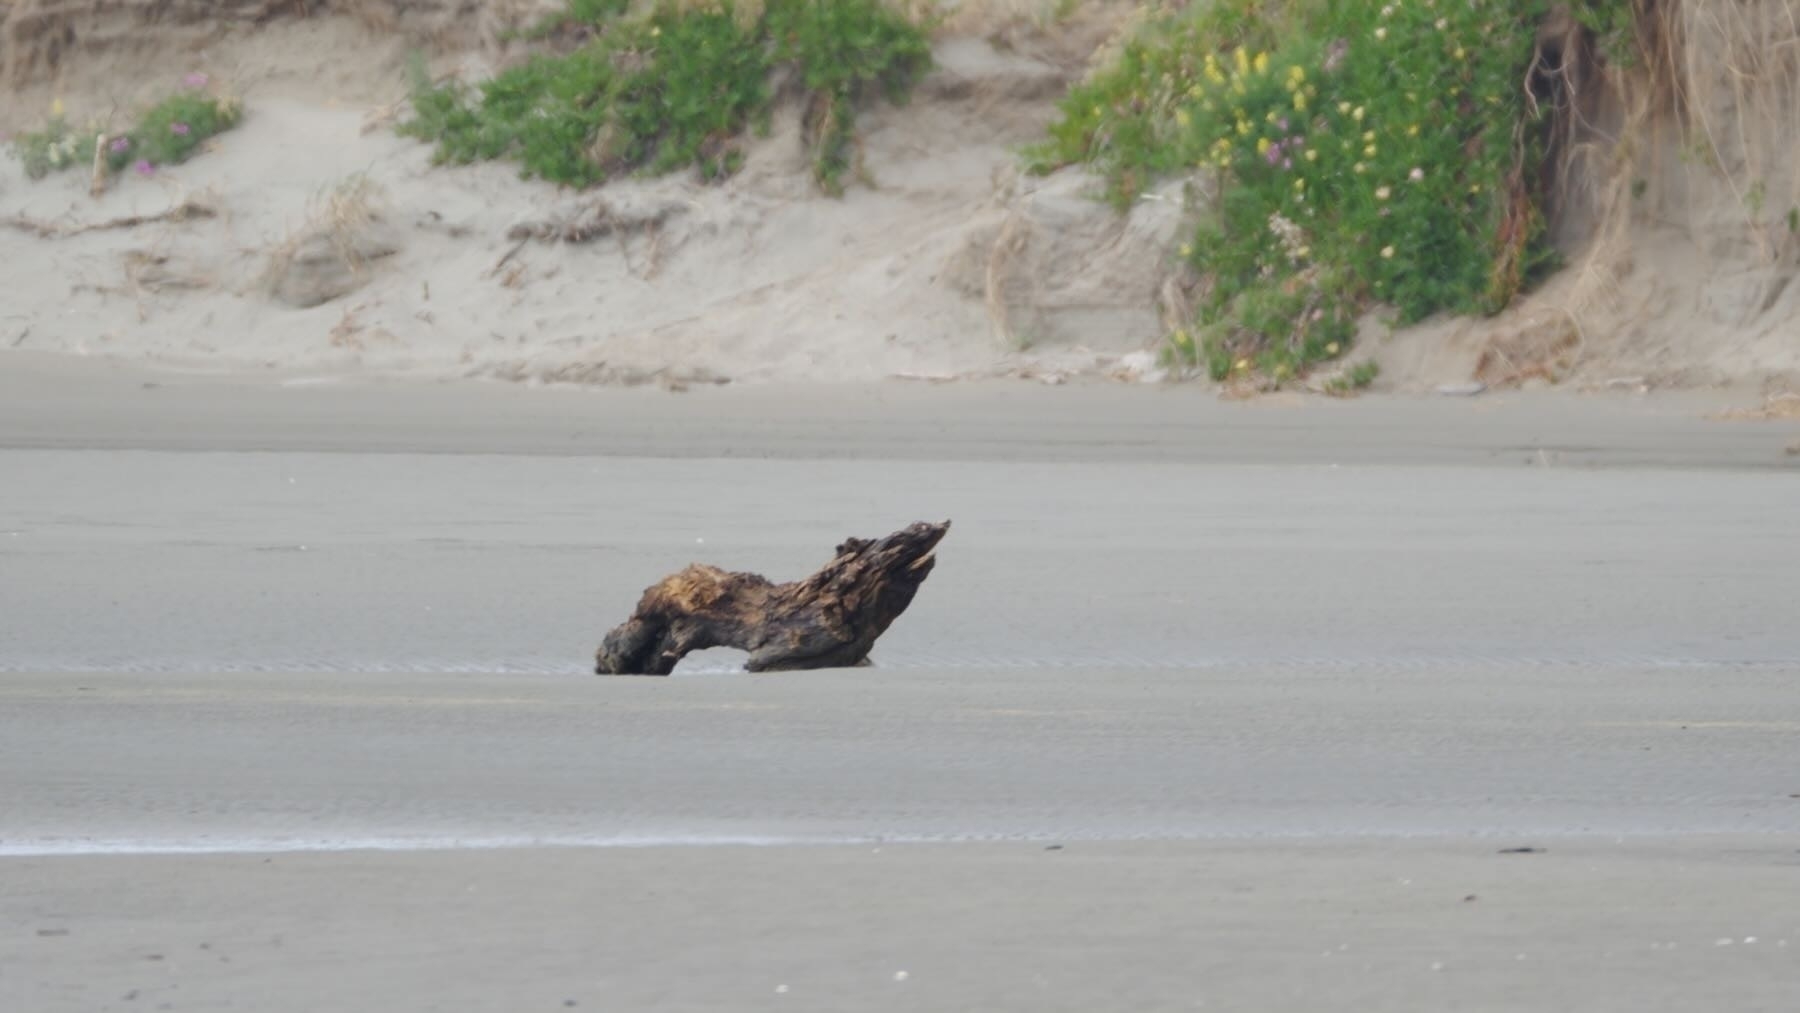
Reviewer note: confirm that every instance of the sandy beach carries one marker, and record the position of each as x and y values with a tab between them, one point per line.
326	469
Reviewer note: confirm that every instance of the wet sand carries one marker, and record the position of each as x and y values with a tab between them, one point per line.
293	713
1642	927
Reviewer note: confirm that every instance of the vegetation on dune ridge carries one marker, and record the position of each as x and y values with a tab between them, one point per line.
677	86
168	133
1357	154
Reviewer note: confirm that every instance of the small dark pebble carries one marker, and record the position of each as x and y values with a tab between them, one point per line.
1469	898
47	933
1522	851
153	956
1053	847
129	996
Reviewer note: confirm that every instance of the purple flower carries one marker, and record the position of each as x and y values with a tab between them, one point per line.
119	145
195	80
179	129
1282	123
1274	154
1287	163
144	167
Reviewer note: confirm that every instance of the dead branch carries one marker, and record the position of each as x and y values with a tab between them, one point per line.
597	222
828	620
187	210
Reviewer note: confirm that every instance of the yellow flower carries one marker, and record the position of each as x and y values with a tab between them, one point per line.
1368	135
1297	73
1300	101
1182	117
1243	61
1459	54
1241	364
1369	151
1331	349
1412	131
1380	34
1262	63
1344	108
56	108
1187	249
1357	114
1311	155
1382	192
1303	252
1475	189
1357	168
1300	183
1387	253
1262	145
1243	127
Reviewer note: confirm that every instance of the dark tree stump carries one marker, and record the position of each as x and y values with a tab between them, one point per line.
828	620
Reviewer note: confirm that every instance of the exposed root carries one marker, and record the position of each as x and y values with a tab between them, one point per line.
597	222
188	210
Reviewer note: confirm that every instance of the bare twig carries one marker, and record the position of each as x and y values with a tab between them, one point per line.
185	211
510	254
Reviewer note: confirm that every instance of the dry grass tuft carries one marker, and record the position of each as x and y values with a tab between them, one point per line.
1008	244
1700	98
342	218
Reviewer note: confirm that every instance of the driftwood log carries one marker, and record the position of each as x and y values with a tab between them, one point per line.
828	620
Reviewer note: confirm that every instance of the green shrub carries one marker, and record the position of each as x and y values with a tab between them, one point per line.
55	147
676	87
1361	153
579	14
845	50
172	130
168	133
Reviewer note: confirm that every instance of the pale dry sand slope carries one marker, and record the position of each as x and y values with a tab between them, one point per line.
760	278
947	263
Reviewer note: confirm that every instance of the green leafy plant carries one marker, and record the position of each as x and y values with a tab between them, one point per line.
54	147
1357	153
171	131
1358	377
677	86
580	15
845	50
168	133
